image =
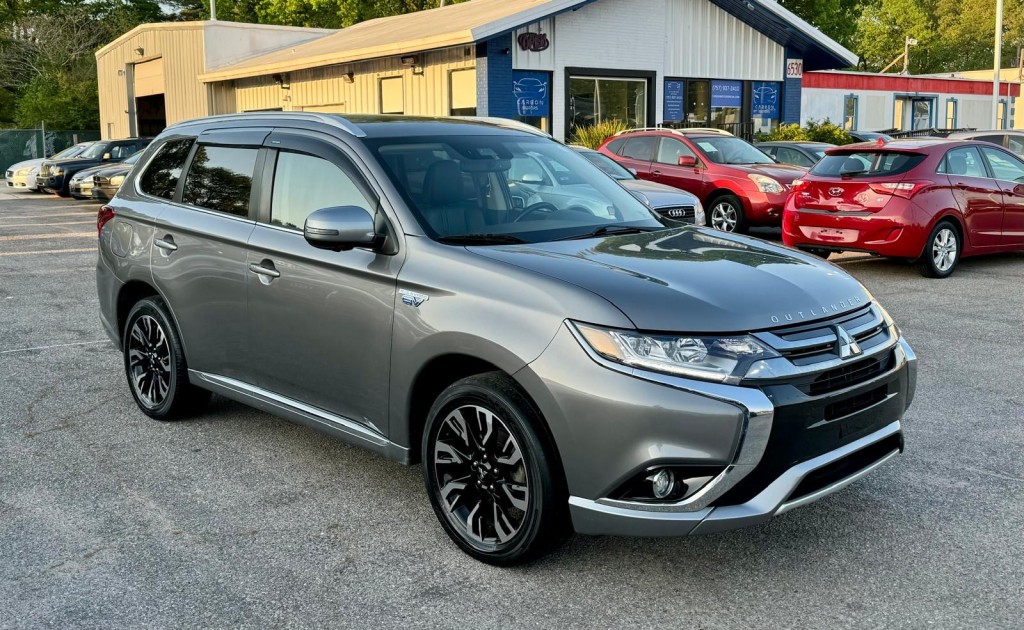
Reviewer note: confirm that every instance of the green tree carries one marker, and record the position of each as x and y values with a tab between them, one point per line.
835	18
883	27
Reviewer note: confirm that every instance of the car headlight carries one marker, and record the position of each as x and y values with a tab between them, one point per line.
117	180
719	359
766	184
698	215
24	171
57	170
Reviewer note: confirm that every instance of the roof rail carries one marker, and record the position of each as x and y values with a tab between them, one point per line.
508	123
680	132
333	120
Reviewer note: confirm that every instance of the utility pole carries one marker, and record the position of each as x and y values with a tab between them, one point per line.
213	9
907	43
997	62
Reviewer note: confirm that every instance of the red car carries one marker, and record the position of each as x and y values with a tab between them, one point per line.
933	201
738	185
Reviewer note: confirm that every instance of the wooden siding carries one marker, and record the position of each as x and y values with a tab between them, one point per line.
425	86
185	96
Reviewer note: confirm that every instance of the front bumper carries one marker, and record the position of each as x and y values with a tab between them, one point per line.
22	182
656	420
51	182
764	209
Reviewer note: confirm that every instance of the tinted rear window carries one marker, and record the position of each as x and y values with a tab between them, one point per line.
162	174
866	164
220	178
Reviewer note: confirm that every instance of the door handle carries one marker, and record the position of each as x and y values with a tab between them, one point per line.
656	173
166	243
259	269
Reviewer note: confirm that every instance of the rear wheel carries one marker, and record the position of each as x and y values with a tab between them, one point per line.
727	214
820	253
941	252
491	474
154	362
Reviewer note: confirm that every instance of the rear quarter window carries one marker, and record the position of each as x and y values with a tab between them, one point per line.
161	176
867	164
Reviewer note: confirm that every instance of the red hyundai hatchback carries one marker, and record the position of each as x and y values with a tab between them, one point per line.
932	200
738	184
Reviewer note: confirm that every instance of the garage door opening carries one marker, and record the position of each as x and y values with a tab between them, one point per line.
151	114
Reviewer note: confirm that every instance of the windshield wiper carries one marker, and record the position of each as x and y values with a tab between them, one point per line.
481	239
609	230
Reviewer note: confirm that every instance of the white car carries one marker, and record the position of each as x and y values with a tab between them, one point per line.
22	176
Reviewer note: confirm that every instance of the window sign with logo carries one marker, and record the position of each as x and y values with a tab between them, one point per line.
532	91
726	104
673	101
764	99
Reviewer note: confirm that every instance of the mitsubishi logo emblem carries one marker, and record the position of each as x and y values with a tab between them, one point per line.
846	345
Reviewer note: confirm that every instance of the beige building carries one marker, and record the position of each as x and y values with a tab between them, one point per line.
149	77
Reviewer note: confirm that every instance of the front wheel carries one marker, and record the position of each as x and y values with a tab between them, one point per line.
492	477
727	214
941	252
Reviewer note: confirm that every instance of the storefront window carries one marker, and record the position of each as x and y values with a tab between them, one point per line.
850	112
951	113
463	92
698	102
726	103
533	98
922	114
764	105
897	115
1001	115
392	96
596	99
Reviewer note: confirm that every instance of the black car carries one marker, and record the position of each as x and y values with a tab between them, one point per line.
55	175
805	154
868	136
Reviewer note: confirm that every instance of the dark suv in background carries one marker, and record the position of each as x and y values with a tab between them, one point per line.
55	175
556	357
739	185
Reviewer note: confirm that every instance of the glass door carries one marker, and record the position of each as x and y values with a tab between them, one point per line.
596	99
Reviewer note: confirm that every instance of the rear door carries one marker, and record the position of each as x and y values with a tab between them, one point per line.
199	254
1009	173
638	153
979	195
859	181
788	155
320	321
666	169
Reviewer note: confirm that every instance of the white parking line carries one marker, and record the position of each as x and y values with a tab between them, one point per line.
28	237
50	251
60	345
47	216
45	224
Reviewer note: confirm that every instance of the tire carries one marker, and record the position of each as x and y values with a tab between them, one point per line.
820	253
514	509
154	364
726	214
941	252
64	191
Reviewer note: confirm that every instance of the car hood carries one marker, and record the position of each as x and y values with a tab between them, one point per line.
79	163
89	172
111	170
783	173
694	279
26	163
659	195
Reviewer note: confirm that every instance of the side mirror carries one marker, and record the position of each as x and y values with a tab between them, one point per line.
532	178
106	156
342	228
688	161
633	171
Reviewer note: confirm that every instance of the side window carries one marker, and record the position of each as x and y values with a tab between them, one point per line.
164	170
671	150
772	151
1015	144
994	139
1004	166
615	146
220	178
641	148
965	161
792	156
121	151
304	184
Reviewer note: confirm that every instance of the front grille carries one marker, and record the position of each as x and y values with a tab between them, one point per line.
807	344
44	170
848	375
678	213
859	402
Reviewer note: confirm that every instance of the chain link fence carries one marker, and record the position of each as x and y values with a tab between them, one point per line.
17	145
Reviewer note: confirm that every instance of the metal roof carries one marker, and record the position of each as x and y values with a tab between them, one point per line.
477	20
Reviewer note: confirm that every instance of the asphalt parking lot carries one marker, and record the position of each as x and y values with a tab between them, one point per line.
109	519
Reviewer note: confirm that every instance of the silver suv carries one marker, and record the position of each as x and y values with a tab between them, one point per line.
555	363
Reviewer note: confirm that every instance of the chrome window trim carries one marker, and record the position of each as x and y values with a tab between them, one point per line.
759	415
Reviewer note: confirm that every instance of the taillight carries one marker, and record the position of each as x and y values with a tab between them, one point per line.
799	184
105	214
900	189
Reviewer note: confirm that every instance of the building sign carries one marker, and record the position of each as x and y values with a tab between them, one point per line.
764	99
794	68
726	94
533	96
533	42
673	100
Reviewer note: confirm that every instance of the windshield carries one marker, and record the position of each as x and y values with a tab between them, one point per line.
71	151
611	168
134	157
510	188
95	151
866	164
730	150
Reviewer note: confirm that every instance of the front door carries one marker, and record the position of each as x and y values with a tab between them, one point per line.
199	253
978	195
1009	173
320	321
666	168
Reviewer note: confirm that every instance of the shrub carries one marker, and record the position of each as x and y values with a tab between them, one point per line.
595	135
785	133
827	131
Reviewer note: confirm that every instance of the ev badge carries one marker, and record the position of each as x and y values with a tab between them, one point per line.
412	298
846	345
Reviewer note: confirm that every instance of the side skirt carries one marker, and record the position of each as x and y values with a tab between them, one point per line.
348	430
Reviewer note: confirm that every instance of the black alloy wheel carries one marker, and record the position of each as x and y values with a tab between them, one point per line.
154	362
489	474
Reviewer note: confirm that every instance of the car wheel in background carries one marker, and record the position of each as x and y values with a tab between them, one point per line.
726	214
820	253
491	473
941	251
154	362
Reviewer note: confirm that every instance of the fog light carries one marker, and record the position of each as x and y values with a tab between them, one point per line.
663	483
